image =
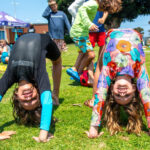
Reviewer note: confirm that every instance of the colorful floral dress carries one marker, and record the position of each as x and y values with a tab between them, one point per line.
123	56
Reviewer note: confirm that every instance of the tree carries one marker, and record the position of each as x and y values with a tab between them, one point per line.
131	9
140	30
63	5
149	30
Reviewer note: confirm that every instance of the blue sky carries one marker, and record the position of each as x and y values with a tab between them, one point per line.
31	11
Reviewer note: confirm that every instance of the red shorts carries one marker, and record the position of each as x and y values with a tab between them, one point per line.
98	37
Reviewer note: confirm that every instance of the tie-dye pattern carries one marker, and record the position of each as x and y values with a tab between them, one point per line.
123	56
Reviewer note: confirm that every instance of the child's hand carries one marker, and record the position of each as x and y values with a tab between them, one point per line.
93	132
9	133
93	28
101	21
6	135
43	137
37	139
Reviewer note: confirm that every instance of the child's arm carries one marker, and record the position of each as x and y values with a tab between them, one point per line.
100	97
93	27
67	23
46	12
103	19
46	114
83	12
5	83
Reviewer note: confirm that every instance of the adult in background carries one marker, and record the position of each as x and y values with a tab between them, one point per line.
57	23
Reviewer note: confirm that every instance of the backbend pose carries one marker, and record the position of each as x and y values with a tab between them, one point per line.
123	62
32	100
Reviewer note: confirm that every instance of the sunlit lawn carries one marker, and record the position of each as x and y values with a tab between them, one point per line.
72	120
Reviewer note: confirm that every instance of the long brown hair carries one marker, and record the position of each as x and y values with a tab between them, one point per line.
112	115
112	6
23	116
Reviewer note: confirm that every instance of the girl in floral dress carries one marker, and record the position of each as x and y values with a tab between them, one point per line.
123	65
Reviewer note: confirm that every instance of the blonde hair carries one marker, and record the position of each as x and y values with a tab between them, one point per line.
112	115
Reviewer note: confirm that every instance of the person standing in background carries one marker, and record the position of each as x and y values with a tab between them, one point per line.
57	23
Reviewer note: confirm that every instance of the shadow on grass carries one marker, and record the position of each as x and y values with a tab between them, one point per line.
66	66
74	83
6	125
54	119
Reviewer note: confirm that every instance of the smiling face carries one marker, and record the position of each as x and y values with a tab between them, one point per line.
27	95
123	90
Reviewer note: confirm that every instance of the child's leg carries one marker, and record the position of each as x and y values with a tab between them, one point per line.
96	77
56	72
98	69
78	61
86	60
100	38
91	73
90	102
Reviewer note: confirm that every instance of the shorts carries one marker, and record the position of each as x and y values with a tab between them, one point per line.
4	55
97	37
60	44
83	43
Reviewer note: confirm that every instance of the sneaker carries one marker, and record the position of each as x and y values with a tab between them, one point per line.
73	74
71	78
69	70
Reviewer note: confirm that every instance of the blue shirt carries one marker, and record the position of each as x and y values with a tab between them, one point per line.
99	15
57	23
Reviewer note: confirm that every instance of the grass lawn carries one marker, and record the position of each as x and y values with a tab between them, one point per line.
73	121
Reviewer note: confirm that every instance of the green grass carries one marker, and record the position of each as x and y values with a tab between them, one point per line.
73	120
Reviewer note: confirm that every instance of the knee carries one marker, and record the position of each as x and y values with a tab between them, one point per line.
91	55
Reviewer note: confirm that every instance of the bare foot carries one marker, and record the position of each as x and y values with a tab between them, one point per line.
89	103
